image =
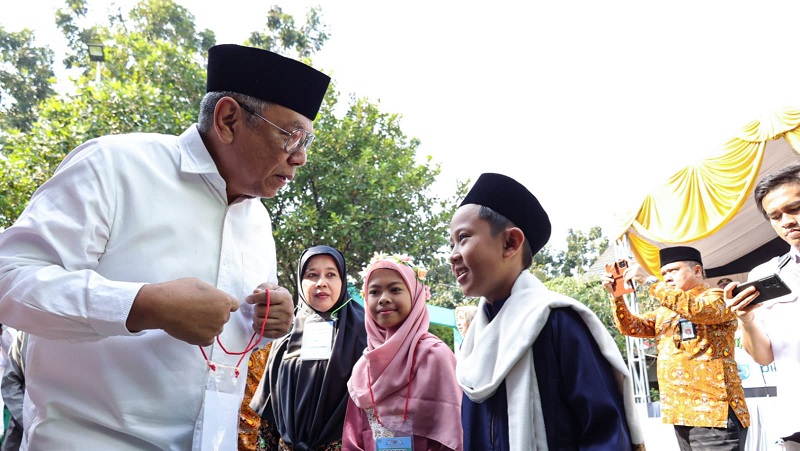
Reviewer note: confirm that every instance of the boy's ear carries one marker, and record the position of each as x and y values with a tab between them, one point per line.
514	239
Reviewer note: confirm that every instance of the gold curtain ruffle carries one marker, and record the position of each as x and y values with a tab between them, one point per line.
701	198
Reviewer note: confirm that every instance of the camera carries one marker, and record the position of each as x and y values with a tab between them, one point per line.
617	269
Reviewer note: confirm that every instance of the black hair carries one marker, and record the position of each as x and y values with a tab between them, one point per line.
790	175
498	223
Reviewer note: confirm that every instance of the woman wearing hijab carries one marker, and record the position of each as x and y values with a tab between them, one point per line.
303	394
403	390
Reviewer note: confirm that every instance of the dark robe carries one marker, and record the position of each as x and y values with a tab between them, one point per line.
572	375
307	399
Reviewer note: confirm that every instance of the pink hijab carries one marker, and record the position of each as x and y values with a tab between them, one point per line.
433	400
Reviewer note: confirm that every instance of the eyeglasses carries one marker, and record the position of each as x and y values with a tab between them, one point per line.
298	139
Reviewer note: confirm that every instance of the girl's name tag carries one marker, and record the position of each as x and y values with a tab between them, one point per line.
394	444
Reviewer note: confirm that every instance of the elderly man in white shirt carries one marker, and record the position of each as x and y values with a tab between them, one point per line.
143	268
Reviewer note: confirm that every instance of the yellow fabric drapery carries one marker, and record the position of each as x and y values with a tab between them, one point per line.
701	198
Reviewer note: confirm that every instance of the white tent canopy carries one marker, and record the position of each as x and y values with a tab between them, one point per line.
710	205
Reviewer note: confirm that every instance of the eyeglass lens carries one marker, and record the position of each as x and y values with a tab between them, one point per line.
297	139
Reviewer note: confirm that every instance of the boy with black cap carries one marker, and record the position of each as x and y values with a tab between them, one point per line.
698	379
142	247
538	369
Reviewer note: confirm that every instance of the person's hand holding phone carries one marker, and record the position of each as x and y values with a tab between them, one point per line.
769	287
747	296
741	303
614	280
620	277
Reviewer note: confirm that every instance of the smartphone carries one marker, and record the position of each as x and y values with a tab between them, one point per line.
769	287
617	269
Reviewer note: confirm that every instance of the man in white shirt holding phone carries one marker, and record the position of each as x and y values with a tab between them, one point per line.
769	328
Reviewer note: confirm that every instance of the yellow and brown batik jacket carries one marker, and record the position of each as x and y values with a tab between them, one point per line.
697	377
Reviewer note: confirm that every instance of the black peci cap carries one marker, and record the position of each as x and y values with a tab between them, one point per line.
679	254
267	76
511	199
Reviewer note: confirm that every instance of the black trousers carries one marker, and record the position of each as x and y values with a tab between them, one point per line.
730	438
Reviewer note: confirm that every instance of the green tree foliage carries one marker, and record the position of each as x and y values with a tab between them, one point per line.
361	191
148	84
592	294
364	189
583	248
282	33
545	263
26	78
564	272
444	333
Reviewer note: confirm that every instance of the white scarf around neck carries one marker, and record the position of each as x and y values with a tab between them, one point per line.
503	350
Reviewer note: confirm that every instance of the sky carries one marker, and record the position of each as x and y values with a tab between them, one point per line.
589	104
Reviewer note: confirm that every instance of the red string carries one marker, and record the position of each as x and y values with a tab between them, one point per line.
250	344
372	397
408	392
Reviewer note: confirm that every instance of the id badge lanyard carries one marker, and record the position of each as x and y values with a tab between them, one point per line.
317	339
318	335
392	439
223	401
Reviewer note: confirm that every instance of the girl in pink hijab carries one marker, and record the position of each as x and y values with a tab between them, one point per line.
403	390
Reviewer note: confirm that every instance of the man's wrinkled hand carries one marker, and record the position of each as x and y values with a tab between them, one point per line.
281	310
187	309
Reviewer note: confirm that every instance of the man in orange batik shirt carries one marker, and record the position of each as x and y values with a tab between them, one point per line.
701	391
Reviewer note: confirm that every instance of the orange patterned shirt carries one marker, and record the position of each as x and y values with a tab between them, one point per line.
697	377
249	420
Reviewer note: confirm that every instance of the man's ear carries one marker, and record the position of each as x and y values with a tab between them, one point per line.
224	118
514	239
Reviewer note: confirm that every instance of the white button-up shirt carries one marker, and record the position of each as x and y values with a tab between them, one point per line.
122	211
779	319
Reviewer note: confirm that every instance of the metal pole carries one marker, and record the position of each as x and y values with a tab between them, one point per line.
637	365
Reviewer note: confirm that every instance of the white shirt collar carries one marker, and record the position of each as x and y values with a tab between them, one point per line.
195	158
